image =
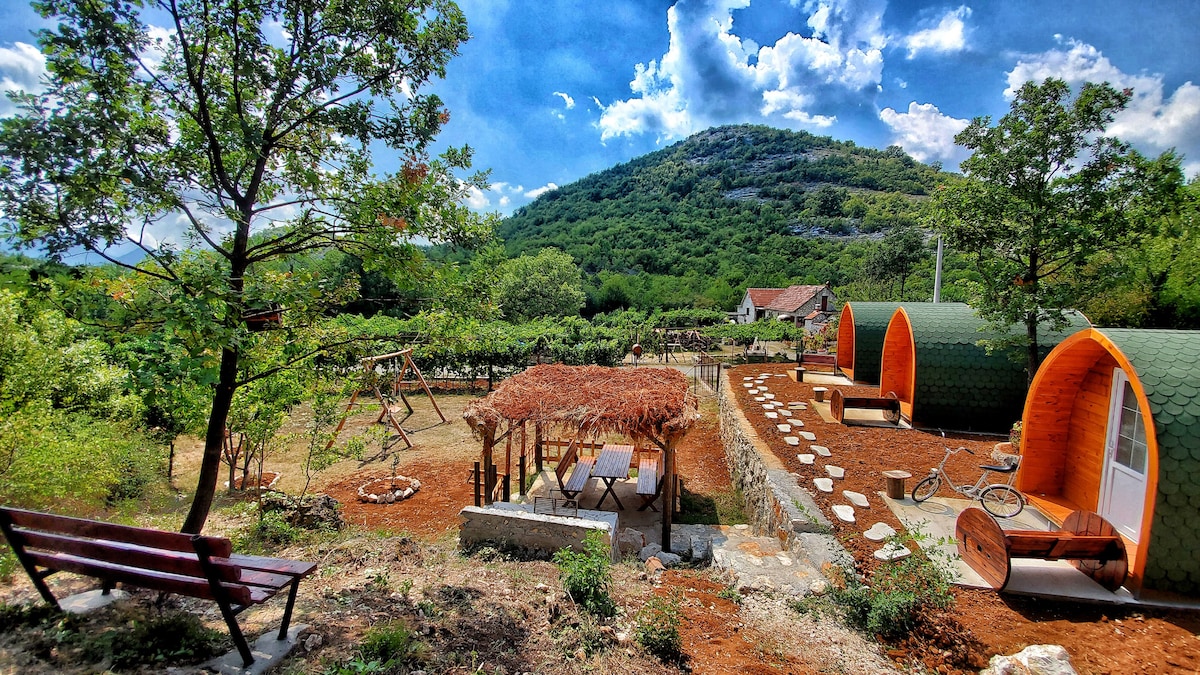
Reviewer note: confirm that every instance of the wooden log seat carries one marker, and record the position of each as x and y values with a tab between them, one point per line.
580	473
1088	540
889	403
191	565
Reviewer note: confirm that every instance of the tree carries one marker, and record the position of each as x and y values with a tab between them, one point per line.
547	284
250	128
1043	192
895	257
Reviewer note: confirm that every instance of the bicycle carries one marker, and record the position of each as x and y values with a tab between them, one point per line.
999	499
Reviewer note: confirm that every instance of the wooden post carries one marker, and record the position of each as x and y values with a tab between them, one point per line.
478	479
508	462
524	459
489	440
537	446
668	493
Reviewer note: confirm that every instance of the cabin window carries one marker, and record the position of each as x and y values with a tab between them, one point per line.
1131	436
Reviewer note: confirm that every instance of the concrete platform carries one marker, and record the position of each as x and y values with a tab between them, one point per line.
1054	579
268	650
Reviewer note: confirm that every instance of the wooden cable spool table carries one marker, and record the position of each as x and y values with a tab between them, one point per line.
1087	539
889	403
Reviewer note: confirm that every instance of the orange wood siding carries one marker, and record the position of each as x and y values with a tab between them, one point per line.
1084	457
898	361
845	342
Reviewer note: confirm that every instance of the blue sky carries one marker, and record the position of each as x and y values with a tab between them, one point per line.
550	91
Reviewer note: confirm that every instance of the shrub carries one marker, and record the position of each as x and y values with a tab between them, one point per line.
586	576
900	593
163	639
657	627
393	644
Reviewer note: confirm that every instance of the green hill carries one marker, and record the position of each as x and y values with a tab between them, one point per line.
729	207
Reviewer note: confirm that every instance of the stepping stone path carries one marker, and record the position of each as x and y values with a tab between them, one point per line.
808	435
879	532
892	552
821	450
844	512
772	415
824	484
835	471
785	428
791	440
856	498
806	459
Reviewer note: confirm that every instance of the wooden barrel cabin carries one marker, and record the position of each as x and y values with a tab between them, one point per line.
944	378
861	327
1112	425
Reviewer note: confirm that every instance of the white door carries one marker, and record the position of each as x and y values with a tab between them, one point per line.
1123	486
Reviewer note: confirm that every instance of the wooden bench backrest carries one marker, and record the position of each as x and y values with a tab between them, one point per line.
565	461
166	561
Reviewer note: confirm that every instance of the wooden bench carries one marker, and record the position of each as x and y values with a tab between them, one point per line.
649	481
1087	539
191	565
888	403
580	473
817	359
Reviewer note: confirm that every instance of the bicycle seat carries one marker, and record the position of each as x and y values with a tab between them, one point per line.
1000	469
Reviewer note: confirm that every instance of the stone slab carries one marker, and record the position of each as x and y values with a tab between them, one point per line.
824	484
268	651
856	498
821	450
879	532
844	512
808	435
791	440
835	471
806	458
82	603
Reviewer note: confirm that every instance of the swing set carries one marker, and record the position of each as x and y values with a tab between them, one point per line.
387	399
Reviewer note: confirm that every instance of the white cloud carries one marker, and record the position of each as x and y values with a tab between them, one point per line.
22	68
567	100
538	192
1154	121
925	132
710	75
949	35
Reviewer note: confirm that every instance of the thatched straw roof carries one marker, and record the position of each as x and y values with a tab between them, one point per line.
651	403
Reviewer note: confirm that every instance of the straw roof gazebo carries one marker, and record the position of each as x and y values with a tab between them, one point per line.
644	404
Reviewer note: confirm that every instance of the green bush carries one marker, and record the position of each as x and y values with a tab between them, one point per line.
271	530
657	628
170	638
899	594
586	576
386	647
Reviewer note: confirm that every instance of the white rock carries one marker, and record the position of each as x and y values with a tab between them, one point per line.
835	471
819	587
630	541
415	485
808	435
785	428
1033	660
759	399
772	415
408	492
768	406
824	484
791	440
879	532
797	423
769	396
843	512
806	459
779	375
747	385
856	498
785	413
747	378
821	450
892	552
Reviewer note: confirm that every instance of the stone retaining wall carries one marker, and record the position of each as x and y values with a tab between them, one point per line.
516	527
776	504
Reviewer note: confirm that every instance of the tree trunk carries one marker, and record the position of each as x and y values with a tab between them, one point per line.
214	440
1033	358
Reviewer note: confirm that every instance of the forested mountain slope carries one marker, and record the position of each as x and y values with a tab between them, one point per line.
727	208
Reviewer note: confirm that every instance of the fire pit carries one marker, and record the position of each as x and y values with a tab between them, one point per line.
388	490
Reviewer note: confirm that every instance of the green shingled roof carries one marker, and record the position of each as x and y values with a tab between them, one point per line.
1168	367
958	384
870	325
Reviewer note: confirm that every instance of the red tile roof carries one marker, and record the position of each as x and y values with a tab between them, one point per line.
793	298
761	297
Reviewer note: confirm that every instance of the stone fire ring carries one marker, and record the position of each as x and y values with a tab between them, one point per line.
388	490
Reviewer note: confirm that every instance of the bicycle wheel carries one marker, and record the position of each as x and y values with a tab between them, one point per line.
926	488
1002	501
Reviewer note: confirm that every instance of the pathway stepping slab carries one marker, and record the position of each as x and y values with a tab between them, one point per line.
821	450
844	512
892	552
770	396
808	435
791	440
785	428
879	532
806	459
835	471
760	399
824	484
797	405
856	498
772	415
797	423
785	413
748	385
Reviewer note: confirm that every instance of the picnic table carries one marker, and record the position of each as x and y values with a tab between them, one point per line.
611	466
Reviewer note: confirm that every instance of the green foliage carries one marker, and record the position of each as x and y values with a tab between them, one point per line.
899	595
586	576
268	532
656	627
391	645
731	594
169	638
1045	191
547	284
